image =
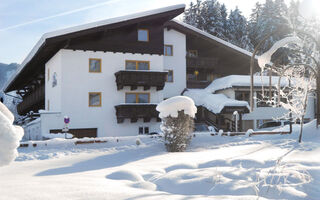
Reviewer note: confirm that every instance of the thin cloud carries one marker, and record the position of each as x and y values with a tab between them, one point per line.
59	15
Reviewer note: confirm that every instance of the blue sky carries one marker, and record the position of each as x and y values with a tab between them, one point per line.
23	22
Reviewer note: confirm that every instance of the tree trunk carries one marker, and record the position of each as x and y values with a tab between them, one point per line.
301	128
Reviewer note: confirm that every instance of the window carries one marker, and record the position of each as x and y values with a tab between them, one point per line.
94	65
137	98
170	76
94	99
140	130
168	50
137	65
143	35
242	95
146	130
193	53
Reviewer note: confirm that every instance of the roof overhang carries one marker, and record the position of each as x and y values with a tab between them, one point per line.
51	43
188	29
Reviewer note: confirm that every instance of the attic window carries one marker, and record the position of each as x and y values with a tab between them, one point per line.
143	35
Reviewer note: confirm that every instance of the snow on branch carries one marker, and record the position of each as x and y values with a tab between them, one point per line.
265	58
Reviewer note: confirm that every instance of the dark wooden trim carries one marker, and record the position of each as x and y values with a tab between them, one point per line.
136	111
136	78
79	132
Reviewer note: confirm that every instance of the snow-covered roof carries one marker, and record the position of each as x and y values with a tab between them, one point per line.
69	30
213	102
243	81
221	41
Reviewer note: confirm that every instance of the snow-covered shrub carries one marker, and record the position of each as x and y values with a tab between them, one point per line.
177	115
138	142
10	136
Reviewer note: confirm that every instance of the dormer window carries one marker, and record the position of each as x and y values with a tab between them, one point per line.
143	35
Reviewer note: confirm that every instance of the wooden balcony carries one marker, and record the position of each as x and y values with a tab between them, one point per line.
136	111
201	62
197	84
32	101
136	78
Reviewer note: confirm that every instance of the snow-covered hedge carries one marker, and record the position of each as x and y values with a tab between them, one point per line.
10	136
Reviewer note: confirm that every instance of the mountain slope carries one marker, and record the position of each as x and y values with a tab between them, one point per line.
6	71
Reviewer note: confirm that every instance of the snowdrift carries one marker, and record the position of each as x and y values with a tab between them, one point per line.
10	136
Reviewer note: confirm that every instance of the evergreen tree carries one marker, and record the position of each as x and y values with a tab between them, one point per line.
192	15
271	17
238	34
224	20
253	24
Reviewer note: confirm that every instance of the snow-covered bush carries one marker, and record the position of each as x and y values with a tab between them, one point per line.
10	136
177	115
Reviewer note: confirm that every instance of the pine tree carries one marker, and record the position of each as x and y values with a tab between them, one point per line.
270	18
224	21
238	34
192	15
255	18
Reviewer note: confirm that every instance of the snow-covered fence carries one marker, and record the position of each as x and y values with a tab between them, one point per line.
60	141
252	133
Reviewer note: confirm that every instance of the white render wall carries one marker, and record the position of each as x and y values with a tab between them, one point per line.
177	62
76	82
53	94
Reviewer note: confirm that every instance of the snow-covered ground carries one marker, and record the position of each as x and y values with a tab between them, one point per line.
214	167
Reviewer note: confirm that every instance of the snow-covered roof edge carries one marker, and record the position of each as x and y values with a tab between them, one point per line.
221	41
88	26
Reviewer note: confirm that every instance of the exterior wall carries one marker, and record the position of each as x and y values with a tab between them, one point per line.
77	82
53	94
32	131
177	63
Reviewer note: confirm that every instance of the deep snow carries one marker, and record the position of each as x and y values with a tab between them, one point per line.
10	136
214	167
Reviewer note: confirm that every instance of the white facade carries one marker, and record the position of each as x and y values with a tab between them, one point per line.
176	62
70	96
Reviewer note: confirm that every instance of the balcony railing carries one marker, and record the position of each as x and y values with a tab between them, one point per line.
201	62
197	84
136	78
32	101
136	111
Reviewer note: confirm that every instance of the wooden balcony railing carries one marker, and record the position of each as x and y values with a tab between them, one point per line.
201	62
32	101
197	84
136	78
135	111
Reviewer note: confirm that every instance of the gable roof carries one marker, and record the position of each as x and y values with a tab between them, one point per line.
184	27
43	46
